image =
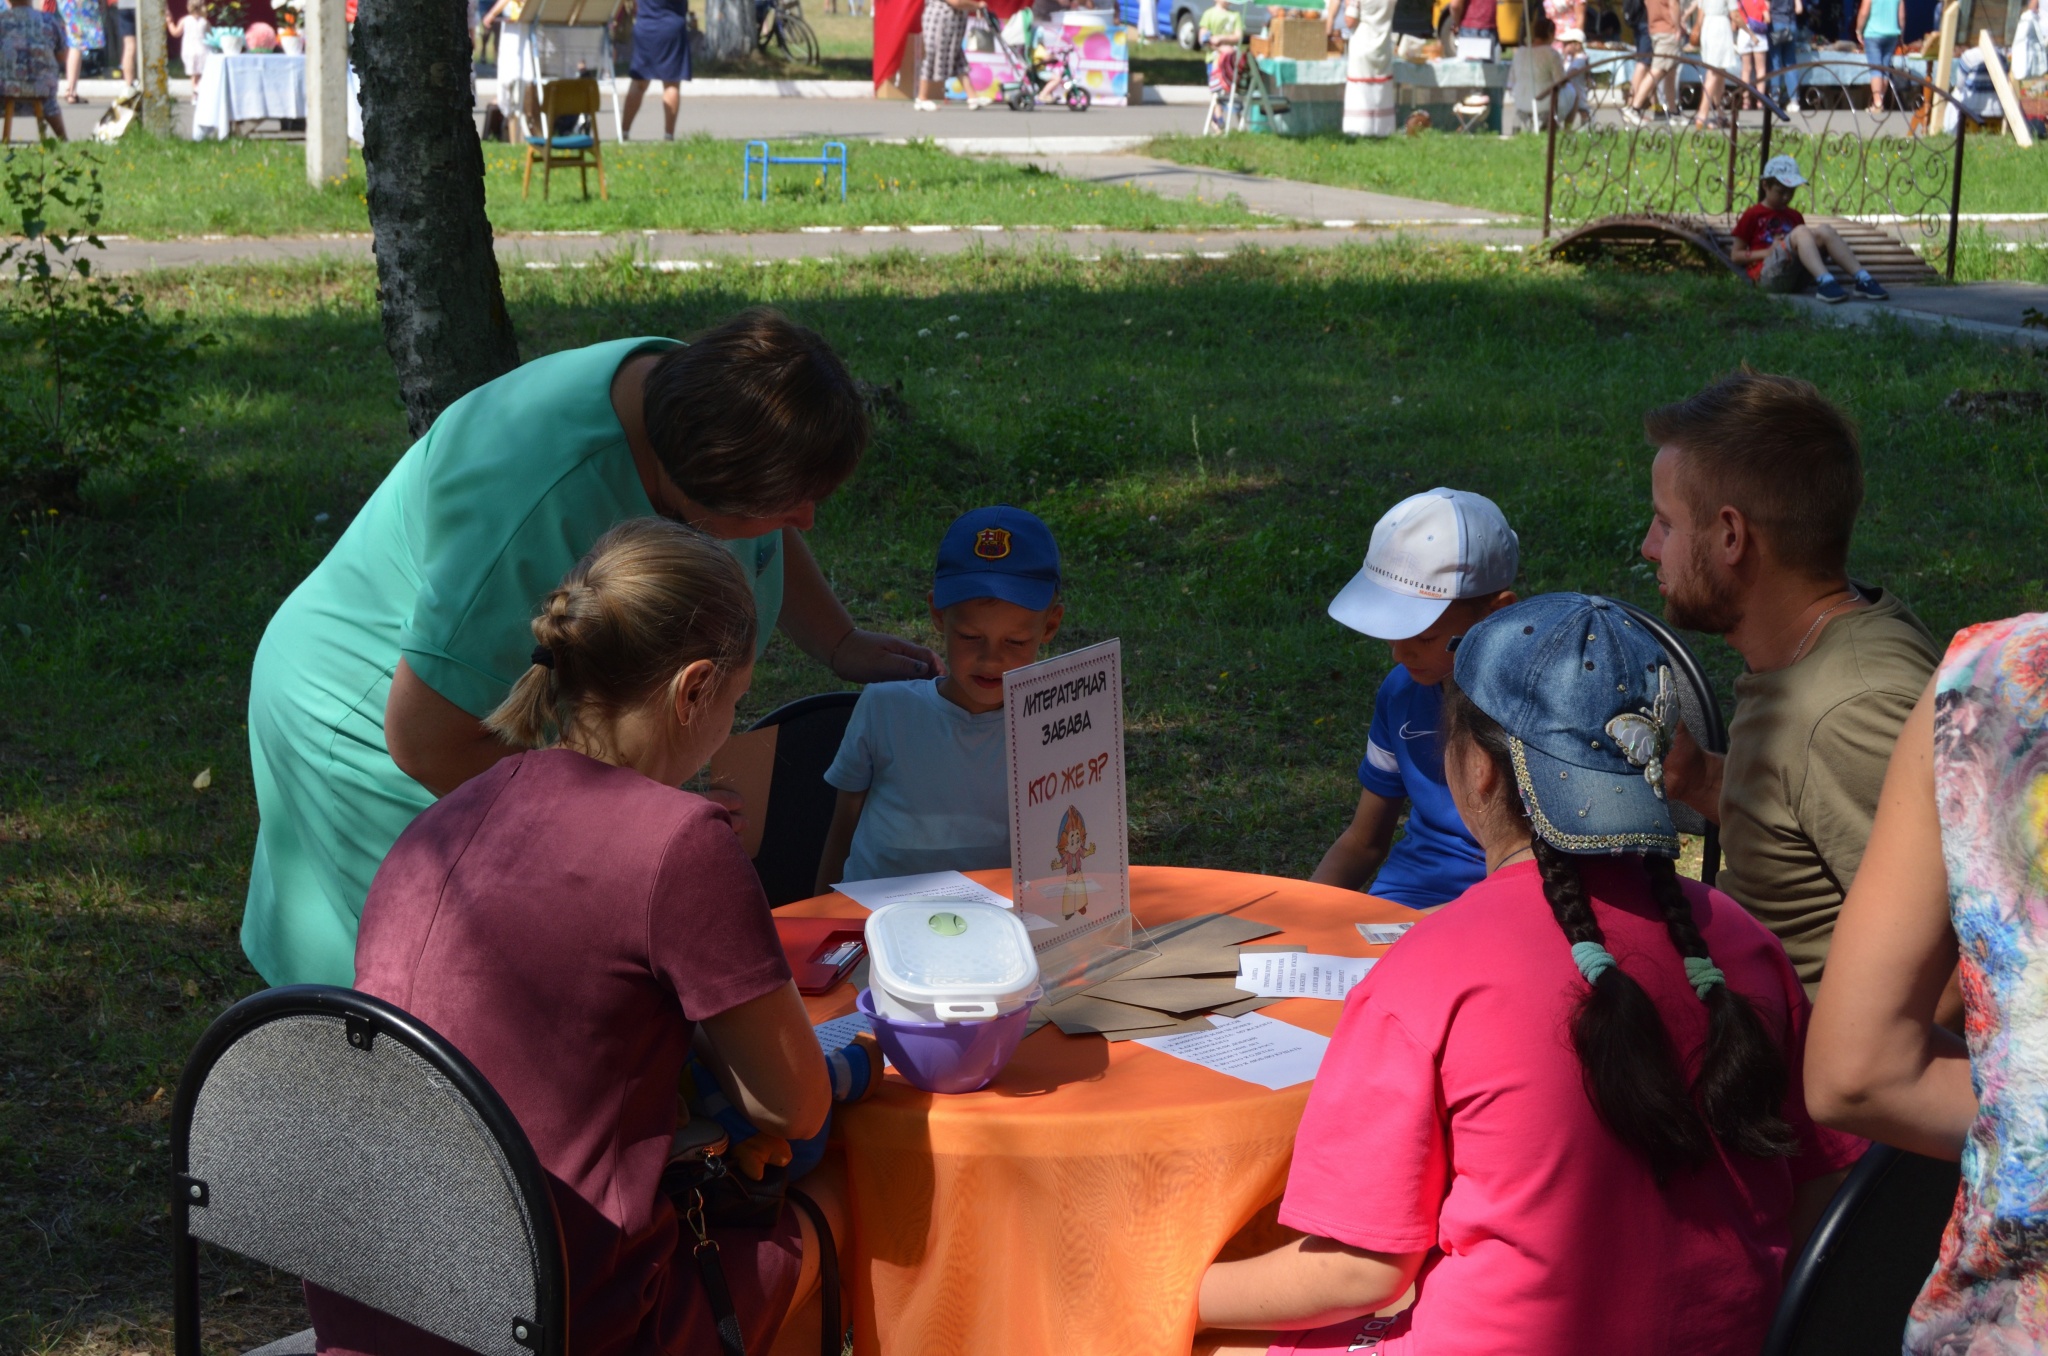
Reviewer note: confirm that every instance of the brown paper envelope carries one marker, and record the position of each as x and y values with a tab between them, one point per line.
745	765
1244	1005
1172	963
1181	997
1086	1015
1187	1024
1212	930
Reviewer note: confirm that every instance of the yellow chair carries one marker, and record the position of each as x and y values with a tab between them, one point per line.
562	99
35	106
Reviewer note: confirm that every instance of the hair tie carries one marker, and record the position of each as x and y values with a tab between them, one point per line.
1702	974
1593	960
543	656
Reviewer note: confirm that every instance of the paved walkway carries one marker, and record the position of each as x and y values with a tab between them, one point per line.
1336	207
679	251
1990	310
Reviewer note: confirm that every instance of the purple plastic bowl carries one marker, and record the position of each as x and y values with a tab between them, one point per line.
947	1056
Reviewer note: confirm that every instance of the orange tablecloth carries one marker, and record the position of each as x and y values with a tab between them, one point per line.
1070	1207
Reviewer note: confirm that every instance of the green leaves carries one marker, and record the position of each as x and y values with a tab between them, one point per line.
95	371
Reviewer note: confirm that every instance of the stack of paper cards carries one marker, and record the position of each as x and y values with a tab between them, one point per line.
1383	934
1194	972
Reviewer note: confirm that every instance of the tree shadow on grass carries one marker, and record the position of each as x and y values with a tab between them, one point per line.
1211	441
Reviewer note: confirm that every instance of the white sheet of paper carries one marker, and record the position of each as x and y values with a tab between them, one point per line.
834	1035
933	887
1383	934
1254	1048
1299	974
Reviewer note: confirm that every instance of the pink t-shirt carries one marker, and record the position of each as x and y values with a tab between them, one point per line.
1450	1116
565	924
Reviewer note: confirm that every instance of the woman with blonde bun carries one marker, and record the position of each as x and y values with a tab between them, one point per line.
572	922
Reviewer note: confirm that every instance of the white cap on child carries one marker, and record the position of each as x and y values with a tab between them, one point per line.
1785	170
1429	549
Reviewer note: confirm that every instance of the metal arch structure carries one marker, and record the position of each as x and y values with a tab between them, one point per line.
1596	176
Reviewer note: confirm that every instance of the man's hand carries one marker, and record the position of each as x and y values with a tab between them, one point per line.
871	657
1692	776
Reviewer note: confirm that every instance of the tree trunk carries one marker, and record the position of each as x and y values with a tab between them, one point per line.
728	29
437	278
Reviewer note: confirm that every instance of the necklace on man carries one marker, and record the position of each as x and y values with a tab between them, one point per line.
1800	649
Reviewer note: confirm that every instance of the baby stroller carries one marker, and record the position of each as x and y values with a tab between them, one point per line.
1036	76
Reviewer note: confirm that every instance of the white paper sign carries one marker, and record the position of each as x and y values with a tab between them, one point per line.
1299	974
1254	1048
1069	843
932	887
1383	934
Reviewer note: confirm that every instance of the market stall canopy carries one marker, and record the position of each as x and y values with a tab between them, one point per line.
896	20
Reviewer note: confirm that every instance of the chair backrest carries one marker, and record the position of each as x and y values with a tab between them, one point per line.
563	98
1700	709
800	802
1868	1257
331	1135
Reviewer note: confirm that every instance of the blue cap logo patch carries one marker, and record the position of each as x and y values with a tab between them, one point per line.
992	543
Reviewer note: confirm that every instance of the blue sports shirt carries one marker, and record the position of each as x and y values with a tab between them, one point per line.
1435	860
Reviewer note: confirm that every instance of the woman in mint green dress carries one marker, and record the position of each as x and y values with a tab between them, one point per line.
373	678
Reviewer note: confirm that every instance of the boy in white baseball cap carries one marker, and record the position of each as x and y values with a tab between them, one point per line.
1439	561
1782	252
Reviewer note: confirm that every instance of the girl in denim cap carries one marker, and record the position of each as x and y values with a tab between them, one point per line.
1566	1106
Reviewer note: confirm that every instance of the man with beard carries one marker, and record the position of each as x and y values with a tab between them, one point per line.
1755	488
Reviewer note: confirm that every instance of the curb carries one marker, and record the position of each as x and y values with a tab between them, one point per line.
1866	313
709	88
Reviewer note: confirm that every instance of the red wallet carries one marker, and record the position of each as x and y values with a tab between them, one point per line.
821	951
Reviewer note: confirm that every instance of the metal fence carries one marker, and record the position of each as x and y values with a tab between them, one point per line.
1910	184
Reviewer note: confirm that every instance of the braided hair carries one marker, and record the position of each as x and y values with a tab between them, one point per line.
1631	1069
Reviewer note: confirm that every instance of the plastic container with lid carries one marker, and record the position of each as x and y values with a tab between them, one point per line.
946	962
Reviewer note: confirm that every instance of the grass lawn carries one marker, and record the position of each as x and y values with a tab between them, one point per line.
1211	489
160	190
1507	175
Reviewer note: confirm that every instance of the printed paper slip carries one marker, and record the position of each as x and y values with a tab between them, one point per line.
1254	1048
1299	974
933	887
1383	934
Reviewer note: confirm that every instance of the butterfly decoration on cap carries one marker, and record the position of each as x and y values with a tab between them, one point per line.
1644	736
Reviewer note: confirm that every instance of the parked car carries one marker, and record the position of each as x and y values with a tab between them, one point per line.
1181	20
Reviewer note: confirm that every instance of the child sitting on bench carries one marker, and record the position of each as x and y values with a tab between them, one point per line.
1783	253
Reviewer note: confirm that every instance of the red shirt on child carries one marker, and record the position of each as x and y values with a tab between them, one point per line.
1450	1115
1762	227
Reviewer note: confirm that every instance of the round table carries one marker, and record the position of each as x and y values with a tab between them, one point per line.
1071	1206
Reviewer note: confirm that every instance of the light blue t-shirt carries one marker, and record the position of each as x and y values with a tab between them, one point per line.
937	783
1436	859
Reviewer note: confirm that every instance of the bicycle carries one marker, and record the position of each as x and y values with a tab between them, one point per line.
783	30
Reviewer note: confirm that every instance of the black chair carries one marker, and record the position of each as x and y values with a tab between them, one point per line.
800	802
1701	712
1872	1251
330	1135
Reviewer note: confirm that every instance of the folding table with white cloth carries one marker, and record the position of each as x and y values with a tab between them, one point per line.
246	87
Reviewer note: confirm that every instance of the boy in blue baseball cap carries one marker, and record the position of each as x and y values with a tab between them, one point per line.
920	771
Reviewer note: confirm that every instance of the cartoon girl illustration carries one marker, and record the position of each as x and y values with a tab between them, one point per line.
1074	850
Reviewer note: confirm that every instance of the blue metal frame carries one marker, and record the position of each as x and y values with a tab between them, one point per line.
757	153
